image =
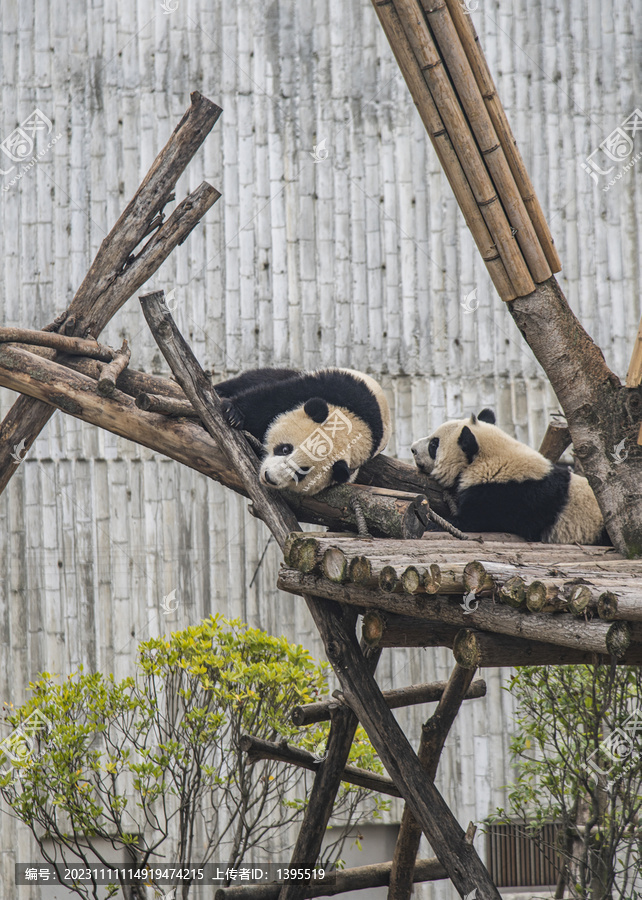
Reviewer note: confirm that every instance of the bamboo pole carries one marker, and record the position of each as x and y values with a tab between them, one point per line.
634	374
475	55
444	149
458	67
453	120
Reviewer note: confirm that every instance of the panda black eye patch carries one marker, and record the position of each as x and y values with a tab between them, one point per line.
432	448
283	449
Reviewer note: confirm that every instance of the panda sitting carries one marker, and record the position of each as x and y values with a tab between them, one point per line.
500	484
317	428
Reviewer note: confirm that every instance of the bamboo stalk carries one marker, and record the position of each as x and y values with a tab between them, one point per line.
398	698
432	68
444	149
458	66
479	66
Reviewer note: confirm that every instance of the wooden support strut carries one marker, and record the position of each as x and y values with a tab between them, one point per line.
336	628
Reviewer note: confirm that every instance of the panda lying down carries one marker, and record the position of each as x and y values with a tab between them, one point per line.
500	484
317	428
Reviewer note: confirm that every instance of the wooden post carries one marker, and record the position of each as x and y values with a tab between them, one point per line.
433	738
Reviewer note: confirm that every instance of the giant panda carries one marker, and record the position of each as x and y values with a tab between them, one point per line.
317	428
500	484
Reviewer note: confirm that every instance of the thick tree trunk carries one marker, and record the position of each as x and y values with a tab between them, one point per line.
602	414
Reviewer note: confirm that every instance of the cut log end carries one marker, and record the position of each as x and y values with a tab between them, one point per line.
373	628
618	639
513	592
476	579
335	565
607	605
360	570
465	650
388	579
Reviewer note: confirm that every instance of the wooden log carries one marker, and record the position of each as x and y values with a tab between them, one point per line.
398	475
453	169
433	737
387	512
595	636
389	630
334	565
479	649
361	692
475	55
110	371
421	579
388	579
357	879
326	783
556	440
452	52
580	600
61	342
130	381
165	406
183	440
268	506
258	749
395	699
453	120
540	596
116	273
513	592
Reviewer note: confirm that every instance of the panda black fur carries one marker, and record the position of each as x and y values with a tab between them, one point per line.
342	412
500	484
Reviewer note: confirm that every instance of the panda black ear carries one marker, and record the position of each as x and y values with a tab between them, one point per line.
340	471
487	415
317	409
468	443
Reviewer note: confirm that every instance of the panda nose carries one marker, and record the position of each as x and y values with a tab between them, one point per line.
268	479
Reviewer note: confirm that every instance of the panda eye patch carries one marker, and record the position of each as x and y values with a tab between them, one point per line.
283	449
432	448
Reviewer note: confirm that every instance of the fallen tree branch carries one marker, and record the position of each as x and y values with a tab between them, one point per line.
110	371
60	342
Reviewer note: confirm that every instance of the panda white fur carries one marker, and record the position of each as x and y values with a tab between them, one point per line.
317	428
500	484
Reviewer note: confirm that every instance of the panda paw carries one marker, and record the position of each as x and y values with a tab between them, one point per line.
233	415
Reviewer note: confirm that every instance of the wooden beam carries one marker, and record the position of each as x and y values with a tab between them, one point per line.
399	697
389	630
358	879
479	649
116	273
634	374
555	441
258	749
433	737
565	630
